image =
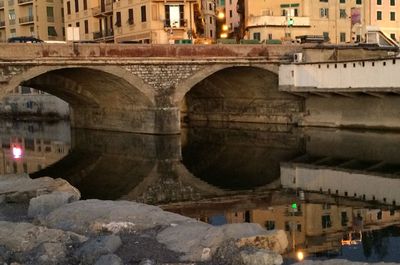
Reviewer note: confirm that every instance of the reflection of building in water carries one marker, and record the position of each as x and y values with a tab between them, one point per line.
39	146
312	227
29	101
342	181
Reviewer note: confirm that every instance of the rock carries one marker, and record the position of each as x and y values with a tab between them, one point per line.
27	241
109	259
94	248
260	257
275	240
44	204
192	239
147	262
93	216
50	253
20	188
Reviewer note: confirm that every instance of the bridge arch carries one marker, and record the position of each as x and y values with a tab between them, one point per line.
128	83
186	85
237	93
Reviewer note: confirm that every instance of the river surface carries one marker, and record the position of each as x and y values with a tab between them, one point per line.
334	192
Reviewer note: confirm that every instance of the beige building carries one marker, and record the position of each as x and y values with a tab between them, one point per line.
151	21
40	19
339	21
385	14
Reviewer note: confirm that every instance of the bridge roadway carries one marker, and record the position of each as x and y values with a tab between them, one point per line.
152	88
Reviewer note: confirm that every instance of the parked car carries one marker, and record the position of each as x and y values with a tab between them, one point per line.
24	40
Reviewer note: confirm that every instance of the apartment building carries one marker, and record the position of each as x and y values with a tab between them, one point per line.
40	19
385	14
154	21
339	21
140	21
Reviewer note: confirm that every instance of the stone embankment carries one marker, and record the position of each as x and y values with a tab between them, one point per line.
42	221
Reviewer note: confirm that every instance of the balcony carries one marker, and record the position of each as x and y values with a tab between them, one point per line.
2	24
51	19
103	10
1	4
25	2
259	21
105	35
25	20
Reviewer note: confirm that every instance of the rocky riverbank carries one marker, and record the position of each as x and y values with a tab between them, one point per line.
42	221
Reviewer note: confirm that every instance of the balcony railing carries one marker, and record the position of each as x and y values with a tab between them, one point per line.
2	24
50	19
103	9
23	2
11	22
277	21
1	4
25	20
105	34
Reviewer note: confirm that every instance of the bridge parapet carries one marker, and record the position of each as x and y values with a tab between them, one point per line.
37	51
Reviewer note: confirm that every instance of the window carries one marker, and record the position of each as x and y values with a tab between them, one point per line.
211	20
342	13
359	2
326	221
342	36
342	1
143	13
118	19
84	4
344	219
86	27
50	11
257	36
324	12
77	24
76	6
270	225
326	36
130	16
69	8
325	1
174	16
393	36
51	31
379	215
211	33
230	13
392	2
378	15
379	2
392	16
210	6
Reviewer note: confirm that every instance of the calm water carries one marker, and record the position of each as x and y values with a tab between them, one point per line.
335	193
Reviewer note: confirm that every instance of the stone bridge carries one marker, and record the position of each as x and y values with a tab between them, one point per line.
152	88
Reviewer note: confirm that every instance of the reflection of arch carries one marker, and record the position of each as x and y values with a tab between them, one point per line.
130	87
186	85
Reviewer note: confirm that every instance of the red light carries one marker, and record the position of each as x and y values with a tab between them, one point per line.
17	152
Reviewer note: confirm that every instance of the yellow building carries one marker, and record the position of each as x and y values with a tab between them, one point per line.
151	21
339	21
40	19
385	14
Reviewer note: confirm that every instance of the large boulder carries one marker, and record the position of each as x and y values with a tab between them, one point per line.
93	216
41	245
44	204
200	241
21	188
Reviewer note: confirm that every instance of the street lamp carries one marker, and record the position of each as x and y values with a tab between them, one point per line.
221	15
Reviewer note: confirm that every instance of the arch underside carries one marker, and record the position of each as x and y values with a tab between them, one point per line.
240	94
101	99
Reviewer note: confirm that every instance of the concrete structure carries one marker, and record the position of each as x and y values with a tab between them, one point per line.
121	88
344	89
270	20
150	21
42	19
